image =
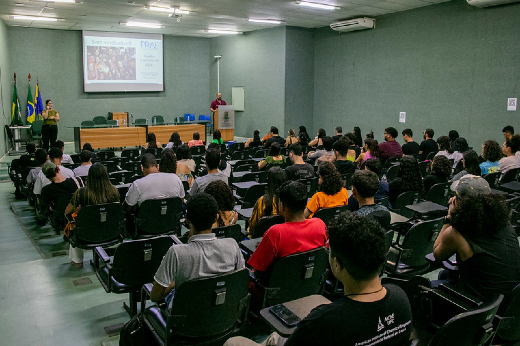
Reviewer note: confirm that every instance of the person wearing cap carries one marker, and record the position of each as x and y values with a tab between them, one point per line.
479	233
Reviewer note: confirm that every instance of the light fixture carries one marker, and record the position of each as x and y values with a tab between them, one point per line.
317	5
45	19
143	25
65	1
267	21
229	32
167	9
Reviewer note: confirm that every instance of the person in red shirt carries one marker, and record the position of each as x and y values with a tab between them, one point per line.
297	234
218	102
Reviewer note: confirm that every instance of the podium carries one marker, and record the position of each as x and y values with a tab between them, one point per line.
226	122
121	116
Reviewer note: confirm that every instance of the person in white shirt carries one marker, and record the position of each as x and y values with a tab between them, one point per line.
66	157
55	156
86	163
510	148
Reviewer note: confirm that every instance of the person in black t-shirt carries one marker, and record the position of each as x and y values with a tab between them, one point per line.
428	145
410	147
29	159
275	138
299	169
343	165
337	134
368	313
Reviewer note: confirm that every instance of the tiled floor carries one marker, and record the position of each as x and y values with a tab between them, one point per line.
39	304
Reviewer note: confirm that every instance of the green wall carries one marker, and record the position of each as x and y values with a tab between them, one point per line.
6	84
54	56
255	60
449	66
299	78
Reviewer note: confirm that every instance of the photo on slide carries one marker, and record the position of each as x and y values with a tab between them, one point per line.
111	63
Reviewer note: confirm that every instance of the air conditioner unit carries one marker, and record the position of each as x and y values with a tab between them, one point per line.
354	24
487	3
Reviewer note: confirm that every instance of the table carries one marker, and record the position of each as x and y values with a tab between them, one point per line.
242	187
427	207
246	213
511	187
396	218
109	137
250	245
300	307
17	135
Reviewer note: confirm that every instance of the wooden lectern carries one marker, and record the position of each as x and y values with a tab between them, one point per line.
227	134
122	117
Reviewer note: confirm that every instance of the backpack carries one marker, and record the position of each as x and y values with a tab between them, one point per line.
134	333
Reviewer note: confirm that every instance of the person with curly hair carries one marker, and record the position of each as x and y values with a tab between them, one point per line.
267	205
440	172
227	215
479	233
273	158
408	178
371	152
491	153
174	141
331	191
168	162
510	148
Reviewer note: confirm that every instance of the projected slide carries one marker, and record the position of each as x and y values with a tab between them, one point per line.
122	62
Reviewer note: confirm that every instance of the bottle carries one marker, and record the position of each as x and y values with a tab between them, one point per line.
146	121
117	122
124	121
155	121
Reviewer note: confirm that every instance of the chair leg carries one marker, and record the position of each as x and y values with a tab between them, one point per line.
131	308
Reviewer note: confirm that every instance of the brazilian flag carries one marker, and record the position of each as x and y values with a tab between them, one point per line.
16	116
30	106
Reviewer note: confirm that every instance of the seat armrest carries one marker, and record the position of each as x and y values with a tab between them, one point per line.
474	302
176	241
102	254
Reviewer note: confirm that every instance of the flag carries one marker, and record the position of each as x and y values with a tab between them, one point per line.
38	104
30	106
16	116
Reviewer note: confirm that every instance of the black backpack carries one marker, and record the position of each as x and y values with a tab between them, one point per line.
135	333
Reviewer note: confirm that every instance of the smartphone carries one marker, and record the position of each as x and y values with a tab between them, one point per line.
285	315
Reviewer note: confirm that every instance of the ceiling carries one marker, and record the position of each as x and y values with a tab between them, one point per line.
105	15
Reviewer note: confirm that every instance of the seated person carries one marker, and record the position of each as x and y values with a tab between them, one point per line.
341	152
275	138
223	166
217	137
297	234
151	142
352	319
364	187
408	178
510	148
390	147
317	142
326	153
255	141
291	138
440	172
478	232
267	205
374	165
41	158
470	165
195	141
491	153
352	147
86	162
273	158
153	184
299	169
98	191
185	165
66	157
58	193
202	256
331	191
338	133
410	147
227	215
174	142
55	155
29	159
445	149
371	152
212	162
88	147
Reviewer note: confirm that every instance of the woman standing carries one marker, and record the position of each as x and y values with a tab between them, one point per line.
50	125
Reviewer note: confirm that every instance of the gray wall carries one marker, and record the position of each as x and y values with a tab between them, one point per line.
6	84
255	60
54	56
299	78
449	66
